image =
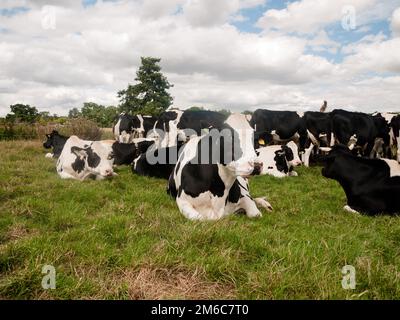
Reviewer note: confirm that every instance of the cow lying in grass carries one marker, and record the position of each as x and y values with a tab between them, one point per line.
55	141
207	181
82	159
372	186
279	161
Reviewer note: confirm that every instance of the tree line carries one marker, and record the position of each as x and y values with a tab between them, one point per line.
149	95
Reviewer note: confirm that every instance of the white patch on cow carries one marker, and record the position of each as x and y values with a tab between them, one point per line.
388	116
306	155
349	209
49	155
140	130
245	165
116	130
398	147
352	142
394	167
300	114
312	138
332	140
296	160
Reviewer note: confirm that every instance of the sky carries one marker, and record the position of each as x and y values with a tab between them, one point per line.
232	54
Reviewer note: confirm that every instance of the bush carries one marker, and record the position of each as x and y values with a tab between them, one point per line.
19	131
81	127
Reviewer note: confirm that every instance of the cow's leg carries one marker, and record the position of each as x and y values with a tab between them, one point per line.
250	207
293	174
263	203
65	175
349	209
306	155
49	155
188	211
278	174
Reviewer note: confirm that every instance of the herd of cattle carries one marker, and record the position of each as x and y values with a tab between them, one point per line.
208	157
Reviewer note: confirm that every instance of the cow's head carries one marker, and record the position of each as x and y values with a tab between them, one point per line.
287	157
49	143
97	159
238	147
333	167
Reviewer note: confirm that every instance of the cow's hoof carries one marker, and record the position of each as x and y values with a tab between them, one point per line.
262	202
293	174
349	209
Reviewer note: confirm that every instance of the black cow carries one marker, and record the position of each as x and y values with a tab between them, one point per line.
179	125
129	127
356	129
277	127
125	153
55	141
165	159
372	186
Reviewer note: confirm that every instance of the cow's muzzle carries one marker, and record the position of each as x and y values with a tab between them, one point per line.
258	166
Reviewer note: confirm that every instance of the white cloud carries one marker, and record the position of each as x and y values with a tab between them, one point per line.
395	25
309	16
94	52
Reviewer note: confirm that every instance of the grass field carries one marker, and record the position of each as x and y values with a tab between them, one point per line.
125	239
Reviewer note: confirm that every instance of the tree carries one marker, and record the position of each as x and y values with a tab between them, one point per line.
225	112
195	108
22	113
149	95
101	115
74	113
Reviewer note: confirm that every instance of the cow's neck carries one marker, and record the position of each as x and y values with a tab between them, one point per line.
227	176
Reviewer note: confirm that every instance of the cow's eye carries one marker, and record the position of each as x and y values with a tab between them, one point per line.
110	156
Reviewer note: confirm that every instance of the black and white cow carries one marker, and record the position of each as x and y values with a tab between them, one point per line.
208	168
82	159
181	125
279	160
356	129
129	127
372	186
276	127
55	141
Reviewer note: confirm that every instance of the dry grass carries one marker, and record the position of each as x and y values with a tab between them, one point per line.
178	283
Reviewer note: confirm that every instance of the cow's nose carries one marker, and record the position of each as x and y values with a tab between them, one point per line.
109	173
257	168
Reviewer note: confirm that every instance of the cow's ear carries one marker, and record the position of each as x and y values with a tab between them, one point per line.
79	152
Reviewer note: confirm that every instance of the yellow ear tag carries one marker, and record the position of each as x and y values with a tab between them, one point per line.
261	142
